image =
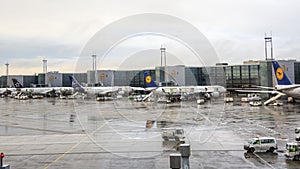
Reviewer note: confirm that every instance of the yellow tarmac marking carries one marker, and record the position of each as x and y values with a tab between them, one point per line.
65	153
70	149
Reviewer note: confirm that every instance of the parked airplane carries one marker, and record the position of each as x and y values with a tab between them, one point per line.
45	91
176	92
283	86
214	90
100	92
6	91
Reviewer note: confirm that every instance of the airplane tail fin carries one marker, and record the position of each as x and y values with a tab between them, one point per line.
281	77
77	87
148	80
16	83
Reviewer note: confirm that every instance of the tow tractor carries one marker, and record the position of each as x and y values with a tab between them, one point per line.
292	151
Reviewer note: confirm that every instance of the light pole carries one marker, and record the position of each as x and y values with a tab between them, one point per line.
94	56
7	79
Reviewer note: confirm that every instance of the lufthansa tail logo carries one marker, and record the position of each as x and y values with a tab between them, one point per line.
18	84
279	73
148	79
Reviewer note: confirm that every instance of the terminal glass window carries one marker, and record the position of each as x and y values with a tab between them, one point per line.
297	72
228	73
245	75
254	75
265	73
236	72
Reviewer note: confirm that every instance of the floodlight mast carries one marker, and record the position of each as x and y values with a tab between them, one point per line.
268	39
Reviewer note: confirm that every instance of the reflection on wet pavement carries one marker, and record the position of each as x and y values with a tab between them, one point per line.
116	133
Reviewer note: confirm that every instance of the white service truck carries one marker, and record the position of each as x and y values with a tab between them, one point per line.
261	144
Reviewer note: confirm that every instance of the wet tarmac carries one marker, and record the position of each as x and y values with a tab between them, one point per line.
54	133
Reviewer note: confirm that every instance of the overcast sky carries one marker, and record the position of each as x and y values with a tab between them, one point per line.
58	30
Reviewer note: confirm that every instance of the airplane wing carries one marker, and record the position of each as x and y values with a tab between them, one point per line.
274	98
260	91
280	87
137	88
278	94
264	87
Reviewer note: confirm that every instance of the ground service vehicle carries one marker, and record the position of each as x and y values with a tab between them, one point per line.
262	144
292	151
176	134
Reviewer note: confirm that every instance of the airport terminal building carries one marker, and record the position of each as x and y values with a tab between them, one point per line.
244	76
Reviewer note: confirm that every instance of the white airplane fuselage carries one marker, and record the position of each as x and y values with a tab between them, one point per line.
104	90
191	89
3	90
290	90
44	90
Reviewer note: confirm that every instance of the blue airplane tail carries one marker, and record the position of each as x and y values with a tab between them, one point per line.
16	83
77	87
281	77
148	80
